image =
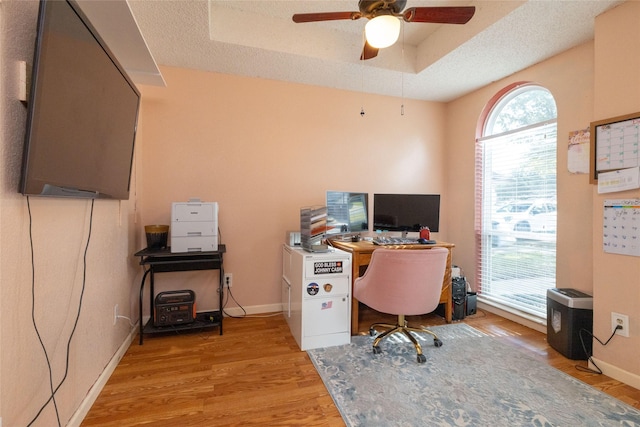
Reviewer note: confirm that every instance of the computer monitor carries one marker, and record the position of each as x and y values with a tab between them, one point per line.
347	212
406	212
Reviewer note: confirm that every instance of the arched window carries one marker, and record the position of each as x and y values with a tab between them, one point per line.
516	200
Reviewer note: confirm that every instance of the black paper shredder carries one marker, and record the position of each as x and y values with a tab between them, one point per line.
568	312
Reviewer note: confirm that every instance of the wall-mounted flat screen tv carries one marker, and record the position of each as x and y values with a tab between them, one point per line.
406	212
82	111
347	212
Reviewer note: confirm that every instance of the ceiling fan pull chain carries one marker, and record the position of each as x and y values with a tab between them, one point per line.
362	79
402	74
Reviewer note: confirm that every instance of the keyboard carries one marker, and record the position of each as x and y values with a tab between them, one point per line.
385	241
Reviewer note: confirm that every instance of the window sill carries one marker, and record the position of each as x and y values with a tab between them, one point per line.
534	322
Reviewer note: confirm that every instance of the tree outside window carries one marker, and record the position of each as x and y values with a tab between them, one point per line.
516	207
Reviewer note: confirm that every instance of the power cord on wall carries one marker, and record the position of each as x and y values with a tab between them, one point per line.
52	398
245	315
120	316
590	357
230	294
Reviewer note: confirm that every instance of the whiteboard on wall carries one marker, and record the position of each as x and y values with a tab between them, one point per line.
621	226
615	144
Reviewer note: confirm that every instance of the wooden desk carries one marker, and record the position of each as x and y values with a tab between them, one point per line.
361	256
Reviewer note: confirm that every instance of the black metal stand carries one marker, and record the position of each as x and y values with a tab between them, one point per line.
162	261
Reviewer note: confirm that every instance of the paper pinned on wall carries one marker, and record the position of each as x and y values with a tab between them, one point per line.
579	151
619	180
621	227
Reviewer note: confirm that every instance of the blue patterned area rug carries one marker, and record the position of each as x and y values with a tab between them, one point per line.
472	380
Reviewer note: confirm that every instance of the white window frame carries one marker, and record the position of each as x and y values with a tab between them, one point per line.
494	269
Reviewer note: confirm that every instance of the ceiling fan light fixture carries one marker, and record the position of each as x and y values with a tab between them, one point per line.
382	31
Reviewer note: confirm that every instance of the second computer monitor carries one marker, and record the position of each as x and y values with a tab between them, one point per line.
406	212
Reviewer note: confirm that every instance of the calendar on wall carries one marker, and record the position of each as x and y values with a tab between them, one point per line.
615	144
621	226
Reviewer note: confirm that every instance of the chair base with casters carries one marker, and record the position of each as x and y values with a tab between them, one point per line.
403	283
402	327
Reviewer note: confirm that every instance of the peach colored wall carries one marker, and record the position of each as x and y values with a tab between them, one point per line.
59	233
610	65
616	277
263	149
572	91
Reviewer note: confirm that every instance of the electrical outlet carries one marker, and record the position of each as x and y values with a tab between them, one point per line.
228	280
115	314
618	319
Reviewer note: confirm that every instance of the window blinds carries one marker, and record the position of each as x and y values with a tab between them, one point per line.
516	217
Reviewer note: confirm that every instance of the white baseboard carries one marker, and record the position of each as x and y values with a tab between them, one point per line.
616	373
254	309
97	387
607	369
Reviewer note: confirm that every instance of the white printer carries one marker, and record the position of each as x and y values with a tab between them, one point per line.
194	226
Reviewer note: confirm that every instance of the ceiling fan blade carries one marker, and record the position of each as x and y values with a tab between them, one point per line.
439	15
325	16
368	51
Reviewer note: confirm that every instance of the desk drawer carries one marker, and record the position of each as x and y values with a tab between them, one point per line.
195	212
327	287
194	244
318	268
193	229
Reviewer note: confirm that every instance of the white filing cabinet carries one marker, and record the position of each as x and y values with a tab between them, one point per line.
316	296
194	226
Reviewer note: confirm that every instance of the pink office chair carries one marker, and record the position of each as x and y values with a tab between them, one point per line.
404	283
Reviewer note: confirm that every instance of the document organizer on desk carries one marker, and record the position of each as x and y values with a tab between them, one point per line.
313	226
162	261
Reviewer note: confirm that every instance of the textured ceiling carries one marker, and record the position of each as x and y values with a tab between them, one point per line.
429	62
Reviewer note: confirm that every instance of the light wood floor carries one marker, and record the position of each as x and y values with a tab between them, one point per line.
255	374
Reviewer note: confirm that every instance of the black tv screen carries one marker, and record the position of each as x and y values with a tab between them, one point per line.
406	212
82	111
347	212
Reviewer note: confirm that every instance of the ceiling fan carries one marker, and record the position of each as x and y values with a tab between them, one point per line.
384	20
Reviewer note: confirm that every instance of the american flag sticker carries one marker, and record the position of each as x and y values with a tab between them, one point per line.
327	305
